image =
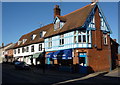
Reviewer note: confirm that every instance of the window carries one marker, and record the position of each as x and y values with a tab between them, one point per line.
105	39
57	25
102	22
14	51
84	38
3	53
88	36
33	37
18	50
50	42
23	49
40	47
92	23
27	49
24	40
32	48
75	40
41	34
79	39
19	42
61	39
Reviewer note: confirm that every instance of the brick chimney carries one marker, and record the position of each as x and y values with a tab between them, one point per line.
57	11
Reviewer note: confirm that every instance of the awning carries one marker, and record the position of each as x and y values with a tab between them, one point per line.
50	55
57	54
36	55
67	54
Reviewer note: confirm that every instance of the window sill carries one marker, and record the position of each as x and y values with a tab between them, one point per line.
49	47
61	45
105	44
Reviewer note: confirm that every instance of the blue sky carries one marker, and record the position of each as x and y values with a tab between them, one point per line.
19	18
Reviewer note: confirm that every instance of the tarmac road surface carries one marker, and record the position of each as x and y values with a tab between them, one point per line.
10	76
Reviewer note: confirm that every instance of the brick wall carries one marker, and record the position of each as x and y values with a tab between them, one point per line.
99	56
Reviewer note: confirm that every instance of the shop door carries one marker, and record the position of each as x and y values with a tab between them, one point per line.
82	62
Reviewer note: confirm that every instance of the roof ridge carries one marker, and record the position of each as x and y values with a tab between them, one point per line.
76	10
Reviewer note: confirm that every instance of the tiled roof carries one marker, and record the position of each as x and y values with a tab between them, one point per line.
72	20
10	47
37	38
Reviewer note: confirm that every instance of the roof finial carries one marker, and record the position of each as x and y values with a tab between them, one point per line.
94	1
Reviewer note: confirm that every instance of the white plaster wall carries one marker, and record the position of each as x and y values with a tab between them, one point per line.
36	50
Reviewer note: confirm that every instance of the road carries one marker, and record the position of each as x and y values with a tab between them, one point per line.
10	76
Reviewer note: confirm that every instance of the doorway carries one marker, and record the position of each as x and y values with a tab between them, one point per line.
82	62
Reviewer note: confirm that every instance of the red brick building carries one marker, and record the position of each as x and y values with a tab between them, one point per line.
99	55
80	39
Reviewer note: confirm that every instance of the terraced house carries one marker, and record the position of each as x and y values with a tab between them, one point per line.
30	46
80	38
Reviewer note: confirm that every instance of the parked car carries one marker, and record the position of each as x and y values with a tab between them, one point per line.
22	65
15	61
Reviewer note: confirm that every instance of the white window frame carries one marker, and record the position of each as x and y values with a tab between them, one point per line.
61	39
82	33
33	37
32	48
105	39
40	47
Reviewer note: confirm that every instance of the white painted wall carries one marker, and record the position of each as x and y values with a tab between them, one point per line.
36	50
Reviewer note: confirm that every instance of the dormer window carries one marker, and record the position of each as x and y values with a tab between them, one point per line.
24	40
19	42
33	37
58	23
41	34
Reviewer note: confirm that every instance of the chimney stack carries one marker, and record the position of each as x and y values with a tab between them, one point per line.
57	11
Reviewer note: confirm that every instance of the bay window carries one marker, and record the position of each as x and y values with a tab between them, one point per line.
83	36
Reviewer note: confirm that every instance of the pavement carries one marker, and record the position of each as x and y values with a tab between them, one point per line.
35	76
